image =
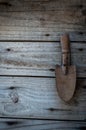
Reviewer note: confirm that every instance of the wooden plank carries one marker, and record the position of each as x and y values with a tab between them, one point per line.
37	5
41	25
38	59
19	124
31	97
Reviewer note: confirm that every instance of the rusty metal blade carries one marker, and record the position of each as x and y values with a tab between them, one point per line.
66	83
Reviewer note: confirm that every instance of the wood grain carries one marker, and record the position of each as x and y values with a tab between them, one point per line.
42	20
28	29
26	97
38	58
19	124
37	5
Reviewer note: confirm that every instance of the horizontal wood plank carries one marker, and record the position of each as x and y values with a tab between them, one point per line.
19	124
37	5
38	59
26	97
42	20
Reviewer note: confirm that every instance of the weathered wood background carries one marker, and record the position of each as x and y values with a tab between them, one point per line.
30	32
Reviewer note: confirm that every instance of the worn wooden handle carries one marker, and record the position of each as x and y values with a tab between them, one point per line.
65	44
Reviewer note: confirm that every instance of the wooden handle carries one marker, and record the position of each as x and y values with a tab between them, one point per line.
65	44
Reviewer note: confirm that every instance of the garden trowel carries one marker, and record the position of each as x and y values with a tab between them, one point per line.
66	73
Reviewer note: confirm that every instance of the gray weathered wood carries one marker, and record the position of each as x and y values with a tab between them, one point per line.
38	59
42	20
44	5
19	124
27	97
